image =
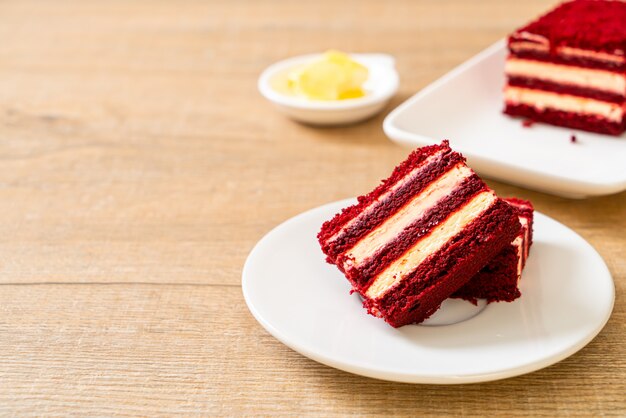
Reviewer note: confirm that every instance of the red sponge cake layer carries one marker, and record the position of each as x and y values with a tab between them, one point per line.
498	280
419	236
585	122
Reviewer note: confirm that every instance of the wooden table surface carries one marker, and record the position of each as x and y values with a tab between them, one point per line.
139	166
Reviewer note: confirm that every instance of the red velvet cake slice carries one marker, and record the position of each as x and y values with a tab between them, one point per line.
419	236
568	67
498	280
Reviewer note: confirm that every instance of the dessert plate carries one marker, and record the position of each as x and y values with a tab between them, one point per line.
465	106
567	297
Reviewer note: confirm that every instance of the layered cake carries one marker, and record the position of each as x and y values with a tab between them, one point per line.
419	236
498	280
568	67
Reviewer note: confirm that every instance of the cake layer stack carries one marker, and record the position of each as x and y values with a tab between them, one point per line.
419	236
568	68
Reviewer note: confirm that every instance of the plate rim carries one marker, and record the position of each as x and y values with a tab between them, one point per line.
575	187
381	374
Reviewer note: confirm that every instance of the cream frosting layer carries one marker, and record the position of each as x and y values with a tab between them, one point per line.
537	43
547	100
415	209
430	244
404	180
566	74
520	243
517	243
526	228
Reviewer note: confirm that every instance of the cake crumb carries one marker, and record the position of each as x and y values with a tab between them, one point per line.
573	139
527	123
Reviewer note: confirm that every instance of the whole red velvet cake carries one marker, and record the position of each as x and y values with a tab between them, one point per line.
498	280
568	67
419	236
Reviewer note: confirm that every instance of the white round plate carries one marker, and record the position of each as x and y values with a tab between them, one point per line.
567	297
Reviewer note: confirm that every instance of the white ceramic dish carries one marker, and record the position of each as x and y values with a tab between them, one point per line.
381	85
567	298
465	106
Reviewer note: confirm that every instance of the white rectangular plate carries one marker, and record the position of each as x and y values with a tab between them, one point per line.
465	106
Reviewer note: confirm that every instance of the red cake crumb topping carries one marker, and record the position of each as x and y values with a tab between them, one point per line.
573	139
527	123
587	24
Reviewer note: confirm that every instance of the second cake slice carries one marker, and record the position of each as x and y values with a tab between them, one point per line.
499	279
419	236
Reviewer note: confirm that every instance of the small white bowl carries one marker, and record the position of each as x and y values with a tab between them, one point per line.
380	87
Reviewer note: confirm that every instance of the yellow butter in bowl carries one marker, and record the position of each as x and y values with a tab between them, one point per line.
335	76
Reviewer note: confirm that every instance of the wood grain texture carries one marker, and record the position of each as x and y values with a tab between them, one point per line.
138	167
